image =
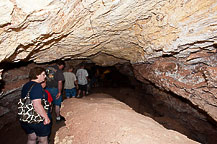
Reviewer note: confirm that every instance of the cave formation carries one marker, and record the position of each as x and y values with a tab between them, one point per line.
167	47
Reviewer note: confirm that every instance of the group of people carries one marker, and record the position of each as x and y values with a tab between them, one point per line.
51	85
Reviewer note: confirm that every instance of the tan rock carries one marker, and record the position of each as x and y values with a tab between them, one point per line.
100	119
114	31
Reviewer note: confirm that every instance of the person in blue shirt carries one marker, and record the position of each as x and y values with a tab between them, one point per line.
36	131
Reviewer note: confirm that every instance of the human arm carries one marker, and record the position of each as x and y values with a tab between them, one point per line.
40	110
76	84
87	76
88	80
60	86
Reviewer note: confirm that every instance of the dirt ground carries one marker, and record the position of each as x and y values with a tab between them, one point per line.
13	133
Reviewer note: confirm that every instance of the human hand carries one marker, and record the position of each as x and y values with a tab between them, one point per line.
46	121
58	95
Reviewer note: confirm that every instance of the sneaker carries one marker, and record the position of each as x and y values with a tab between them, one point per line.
60	119
78	96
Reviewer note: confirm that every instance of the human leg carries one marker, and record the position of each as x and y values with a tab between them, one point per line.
42	131
57	105
88	88
30	131
68	93
31	138
56	102
73	92
84	93
57	110
58	116
79	90
43	140
84	90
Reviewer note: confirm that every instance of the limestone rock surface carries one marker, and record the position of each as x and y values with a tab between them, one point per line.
196	82
114	31
132	30
100	119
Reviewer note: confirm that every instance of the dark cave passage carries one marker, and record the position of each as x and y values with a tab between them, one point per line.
168	109
107	77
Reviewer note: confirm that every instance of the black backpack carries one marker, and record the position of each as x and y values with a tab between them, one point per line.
50	72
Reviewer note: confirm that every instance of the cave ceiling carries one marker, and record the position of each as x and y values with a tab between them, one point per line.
175	40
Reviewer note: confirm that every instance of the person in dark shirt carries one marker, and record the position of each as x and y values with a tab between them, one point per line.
40	130
55	85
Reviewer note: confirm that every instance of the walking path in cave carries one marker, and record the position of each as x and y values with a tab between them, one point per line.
13	133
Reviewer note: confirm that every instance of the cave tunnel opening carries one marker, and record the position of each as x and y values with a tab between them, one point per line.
172	111
106	77
168	109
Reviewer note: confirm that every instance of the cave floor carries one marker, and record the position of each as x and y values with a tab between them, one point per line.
13	133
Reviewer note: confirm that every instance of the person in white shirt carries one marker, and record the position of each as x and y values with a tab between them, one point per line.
82	77
70	84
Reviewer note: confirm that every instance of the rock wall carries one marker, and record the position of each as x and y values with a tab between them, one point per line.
129	30
195	82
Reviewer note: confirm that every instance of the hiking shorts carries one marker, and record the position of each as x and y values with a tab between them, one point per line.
70	92
39	129
82	87
54	92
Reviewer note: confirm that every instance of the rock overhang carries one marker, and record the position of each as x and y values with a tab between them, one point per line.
109	32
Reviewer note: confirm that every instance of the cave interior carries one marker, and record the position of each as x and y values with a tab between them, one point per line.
167	108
